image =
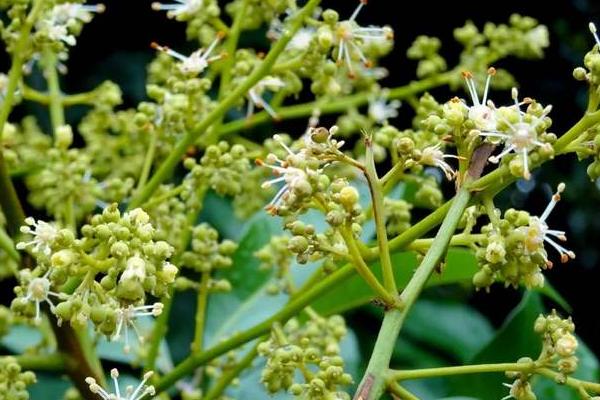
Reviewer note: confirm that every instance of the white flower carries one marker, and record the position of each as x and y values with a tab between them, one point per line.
135	269
179	7
39	291
126	317
380	110
595	34
43	234
538	231
538	37
196	62
521	137
63	13
295	179
255	95
482	112
350	36
131	393
434	157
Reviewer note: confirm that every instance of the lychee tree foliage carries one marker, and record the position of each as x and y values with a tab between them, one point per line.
124	218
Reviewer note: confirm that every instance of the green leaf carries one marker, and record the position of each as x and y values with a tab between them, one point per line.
515	339
460	267
247	303
450	327
21	338
48	386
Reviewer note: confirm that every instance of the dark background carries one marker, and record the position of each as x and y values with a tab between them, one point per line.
115	46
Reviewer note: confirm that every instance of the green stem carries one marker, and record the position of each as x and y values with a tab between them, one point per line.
57	114
148	159
166	168
68	100
363	269
572	382
460	370
401	393
335	106
9	201
459	240
8	246
47	362
376	190
201	313
373	382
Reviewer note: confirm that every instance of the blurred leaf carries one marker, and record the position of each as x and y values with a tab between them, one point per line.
218	212
48	386
460	267
515	339
551	293
21	338
247	303
451	327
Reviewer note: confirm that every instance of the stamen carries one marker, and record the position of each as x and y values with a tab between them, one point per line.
553	201
594	31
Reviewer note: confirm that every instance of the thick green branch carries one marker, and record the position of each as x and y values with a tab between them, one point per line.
373	383
56	362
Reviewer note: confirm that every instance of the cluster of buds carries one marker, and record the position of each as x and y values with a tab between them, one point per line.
222	168
425	49
24	145
277	255
65	179
512	250
206	256
311	349
559	343
109	271
397	215
13	380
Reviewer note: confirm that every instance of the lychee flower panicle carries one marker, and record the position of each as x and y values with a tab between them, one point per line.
595	34
538	231
44	236
196	62
255	95
351	36
482	111
131	393
522	137
179	8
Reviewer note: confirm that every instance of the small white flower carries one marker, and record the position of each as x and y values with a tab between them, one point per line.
538	231
126	317
179	7
380	110
482	112
270	83
434	157
135	269
538	37
521	137
350	36
63	13
39	291
43	234
131	393
595	34
196	62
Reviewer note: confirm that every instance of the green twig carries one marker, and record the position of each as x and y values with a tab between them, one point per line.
7	244
378	215
201	302
56	362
